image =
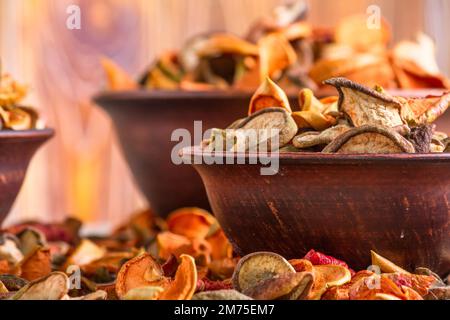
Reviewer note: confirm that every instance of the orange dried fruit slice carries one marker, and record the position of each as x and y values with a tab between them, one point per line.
334	275
257	267
118	79
385	296
302	265
37	264
190	222
220	246
185	282
268	95
141	271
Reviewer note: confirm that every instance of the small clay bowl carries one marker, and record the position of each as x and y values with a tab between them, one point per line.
343	205
16	150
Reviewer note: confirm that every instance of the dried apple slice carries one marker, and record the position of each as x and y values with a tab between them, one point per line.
228	294
419	111
37	264
365	106
334	275
52	287
220	246
144	293
118	79
313	138
85	253
289	286
30	239
9	249
190	222
302	265
141	271
370	139
257	267
268	95
185	282
386	265
275	55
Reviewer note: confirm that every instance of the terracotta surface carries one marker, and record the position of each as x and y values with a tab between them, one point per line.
343	205
16	150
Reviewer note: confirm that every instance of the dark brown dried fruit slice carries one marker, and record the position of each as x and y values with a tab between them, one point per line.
13	283
365	106
288	286
257	267
421	137
370	139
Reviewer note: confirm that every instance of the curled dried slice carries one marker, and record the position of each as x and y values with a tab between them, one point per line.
302	265
229	294
439	293
118	79
9	249
421	137
257	267
31	238
417	111
370	139
385	296
52	287
220	246
289	286
3	288
185	282
85	253
144	293
365	106
267	124
268	95
386	265
36	264
334	275
141	271
275	55
313	138
190	222
12	282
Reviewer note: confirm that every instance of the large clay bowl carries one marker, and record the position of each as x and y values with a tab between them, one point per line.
145	121
343	205
16	150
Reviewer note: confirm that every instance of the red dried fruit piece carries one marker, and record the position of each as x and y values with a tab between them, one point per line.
208	285
318	258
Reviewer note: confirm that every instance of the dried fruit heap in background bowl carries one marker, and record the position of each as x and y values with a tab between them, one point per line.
358	121
185	257
13	116
294	53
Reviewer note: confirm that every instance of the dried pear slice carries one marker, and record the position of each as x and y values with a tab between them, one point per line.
334	275
290	286
185	283
267	120
365	106
370	139
314	138
144	293
257	267
385	265
52	287
9	250
268	95
141	271
229	294
426	110
85	253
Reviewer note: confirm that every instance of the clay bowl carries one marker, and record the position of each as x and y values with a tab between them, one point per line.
16	150
145	120
343	205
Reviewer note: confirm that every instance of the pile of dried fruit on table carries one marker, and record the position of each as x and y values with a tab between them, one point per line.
185	257
13	116
296	54
358	121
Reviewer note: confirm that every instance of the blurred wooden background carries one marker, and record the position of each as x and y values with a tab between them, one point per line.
81	172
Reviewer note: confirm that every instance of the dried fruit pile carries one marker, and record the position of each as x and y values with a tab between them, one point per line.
185	257
358	121
12	115
288	49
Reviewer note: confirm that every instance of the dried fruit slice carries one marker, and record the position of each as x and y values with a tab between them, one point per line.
267	122
313	138
257	267
190	222
385	265
185	282
421	137
385	296
31	238
118	79
220	295
440	293
275	55
144	293
9	250
52	287
141	271
36	265
424	110
370	139
220	246
365	106
334	275
3	288
268	95
85	253
289	286
12	282
302	265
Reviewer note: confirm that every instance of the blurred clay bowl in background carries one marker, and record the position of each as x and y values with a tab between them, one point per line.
345	205
16	150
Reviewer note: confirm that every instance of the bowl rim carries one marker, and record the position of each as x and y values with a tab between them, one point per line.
32	134
190	154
